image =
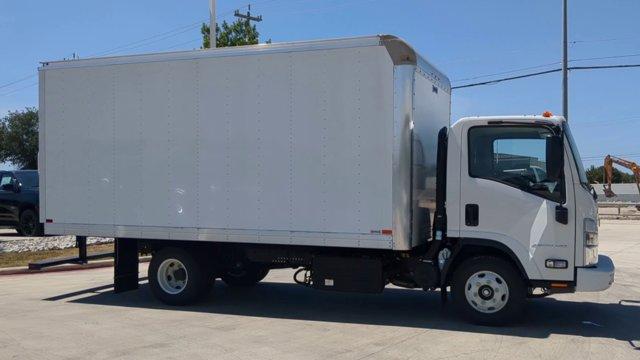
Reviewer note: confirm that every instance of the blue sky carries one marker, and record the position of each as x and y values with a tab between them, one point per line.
464	38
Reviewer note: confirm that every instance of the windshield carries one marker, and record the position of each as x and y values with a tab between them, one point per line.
28	179
576	156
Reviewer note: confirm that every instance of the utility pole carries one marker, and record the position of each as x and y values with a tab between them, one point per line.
212	24
565	61
248	16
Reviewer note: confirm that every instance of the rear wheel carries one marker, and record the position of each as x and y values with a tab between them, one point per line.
489	291
176	277
246	275
29	224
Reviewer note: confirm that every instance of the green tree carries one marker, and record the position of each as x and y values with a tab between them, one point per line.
596	175
19	138
240	32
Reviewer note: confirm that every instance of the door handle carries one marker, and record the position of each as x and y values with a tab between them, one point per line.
471	216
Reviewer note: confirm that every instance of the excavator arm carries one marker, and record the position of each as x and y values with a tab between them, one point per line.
608	172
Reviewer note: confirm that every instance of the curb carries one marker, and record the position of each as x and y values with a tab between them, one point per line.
61	268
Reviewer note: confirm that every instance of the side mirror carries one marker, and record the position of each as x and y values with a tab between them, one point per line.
555	158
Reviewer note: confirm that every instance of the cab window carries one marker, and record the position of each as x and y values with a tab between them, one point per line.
515	156
6	179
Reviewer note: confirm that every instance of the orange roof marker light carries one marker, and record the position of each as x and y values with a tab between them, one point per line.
547	114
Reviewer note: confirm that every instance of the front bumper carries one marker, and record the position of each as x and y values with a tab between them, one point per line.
597	278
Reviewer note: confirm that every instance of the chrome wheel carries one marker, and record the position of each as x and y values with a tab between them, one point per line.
172	276
487	292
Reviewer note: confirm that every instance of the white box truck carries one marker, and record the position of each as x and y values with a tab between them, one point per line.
333	157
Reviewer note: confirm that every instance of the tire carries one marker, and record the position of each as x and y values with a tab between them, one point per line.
488	290
176	277
29	224
249	275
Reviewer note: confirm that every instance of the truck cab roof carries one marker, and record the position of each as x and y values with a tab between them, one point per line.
554	120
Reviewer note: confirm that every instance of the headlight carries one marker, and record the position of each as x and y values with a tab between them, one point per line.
590	242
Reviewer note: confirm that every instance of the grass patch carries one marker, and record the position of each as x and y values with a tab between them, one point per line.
12	259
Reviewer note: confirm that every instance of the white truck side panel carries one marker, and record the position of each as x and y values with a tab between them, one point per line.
254	148
431	113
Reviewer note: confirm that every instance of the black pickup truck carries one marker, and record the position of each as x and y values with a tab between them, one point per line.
19	199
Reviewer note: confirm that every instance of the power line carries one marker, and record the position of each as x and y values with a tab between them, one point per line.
597	67
118	48
548	64
153	42
495	81
184	28
180	44
602	40
509	71
490	82
17	81
606	57
18	89
169	33
128	46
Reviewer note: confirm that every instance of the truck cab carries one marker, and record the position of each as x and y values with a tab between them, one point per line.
517	184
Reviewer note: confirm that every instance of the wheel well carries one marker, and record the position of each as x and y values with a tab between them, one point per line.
466	250
214	255
27	207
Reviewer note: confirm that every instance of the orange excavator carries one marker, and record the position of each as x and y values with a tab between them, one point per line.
608	173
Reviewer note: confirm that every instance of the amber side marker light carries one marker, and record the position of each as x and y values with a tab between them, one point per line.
559	285
547	114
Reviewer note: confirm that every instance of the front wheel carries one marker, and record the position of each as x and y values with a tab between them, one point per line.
488	291
29	224
176	277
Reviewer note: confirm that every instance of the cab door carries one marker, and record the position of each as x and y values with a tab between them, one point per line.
508	196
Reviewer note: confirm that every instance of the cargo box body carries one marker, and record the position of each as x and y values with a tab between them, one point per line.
325	143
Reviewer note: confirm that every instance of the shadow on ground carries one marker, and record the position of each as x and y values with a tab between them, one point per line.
394	307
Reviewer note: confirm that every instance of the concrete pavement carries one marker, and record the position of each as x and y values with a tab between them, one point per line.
7	234
75	315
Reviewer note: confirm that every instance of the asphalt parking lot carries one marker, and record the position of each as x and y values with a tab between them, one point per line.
76	315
